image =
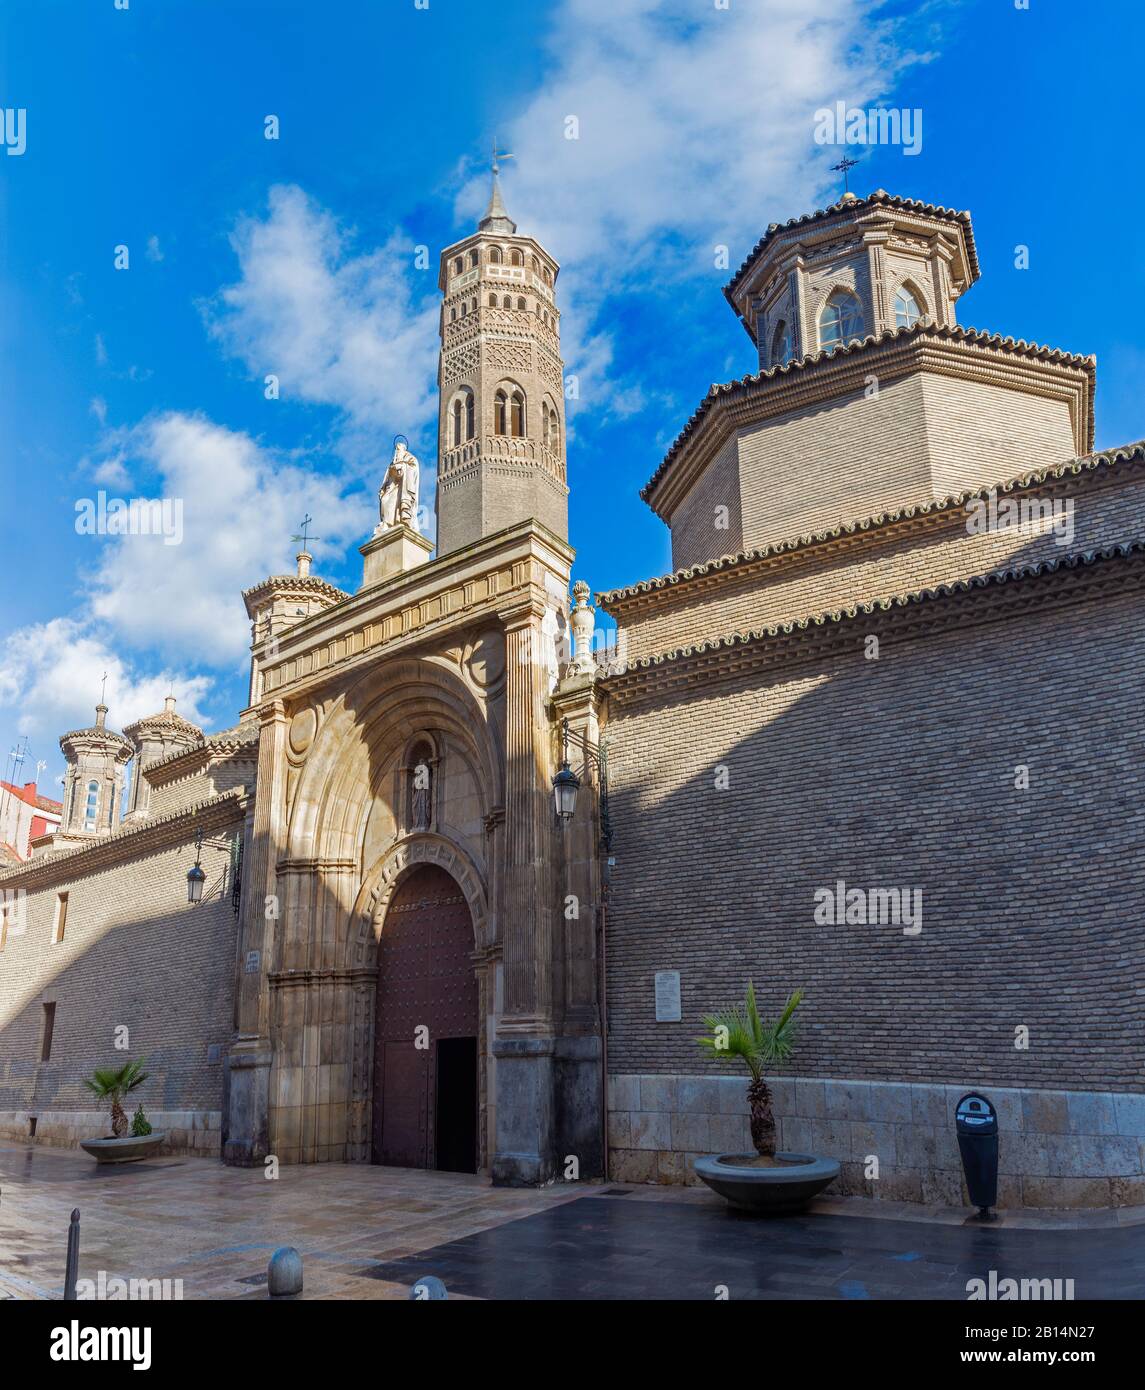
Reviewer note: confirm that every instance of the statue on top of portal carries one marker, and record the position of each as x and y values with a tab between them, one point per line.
397	496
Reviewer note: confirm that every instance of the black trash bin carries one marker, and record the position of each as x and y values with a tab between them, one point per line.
976	1121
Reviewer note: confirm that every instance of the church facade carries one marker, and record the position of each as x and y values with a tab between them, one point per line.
874	737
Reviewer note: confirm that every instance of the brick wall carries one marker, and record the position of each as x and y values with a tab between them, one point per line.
135	953
896	772
894	560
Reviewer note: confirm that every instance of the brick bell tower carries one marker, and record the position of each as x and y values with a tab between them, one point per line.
501	427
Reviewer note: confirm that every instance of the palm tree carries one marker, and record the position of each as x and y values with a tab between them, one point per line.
741	1033
112	1085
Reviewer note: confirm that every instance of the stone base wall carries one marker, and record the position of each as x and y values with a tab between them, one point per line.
1057	1149
197	1132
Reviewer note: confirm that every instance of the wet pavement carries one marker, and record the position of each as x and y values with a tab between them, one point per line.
369	1232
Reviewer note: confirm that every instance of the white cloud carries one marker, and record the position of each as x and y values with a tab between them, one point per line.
52	673
695	131
240	505
354	331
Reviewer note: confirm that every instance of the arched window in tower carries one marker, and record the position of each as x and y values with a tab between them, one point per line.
501	413
781	350
492	301
457	266
516	257
464	308
453	315
470	415
91	809
550	426
534	265
517	414
521	303
506	302
841	319
495	256
456	423
421	787
472	259
907	312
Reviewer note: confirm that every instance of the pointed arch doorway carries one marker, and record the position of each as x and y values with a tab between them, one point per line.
425	1110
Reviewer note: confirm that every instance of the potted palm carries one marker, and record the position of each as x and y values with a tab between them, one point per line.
766	1180
111	1085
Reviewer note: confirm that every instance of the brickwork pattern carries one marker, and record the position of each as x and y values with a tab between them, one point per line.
896	772
824	578
134	953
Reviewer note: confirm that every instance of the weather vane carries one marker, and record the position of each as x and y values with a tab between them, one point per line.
497	157
103	690
843	167
307	522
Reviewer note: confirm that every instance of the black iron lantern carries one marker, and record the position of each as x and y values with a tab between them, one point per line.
196	877
566	783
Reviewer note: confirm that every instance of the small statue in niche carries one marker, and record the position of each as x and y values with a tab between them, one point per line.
421	791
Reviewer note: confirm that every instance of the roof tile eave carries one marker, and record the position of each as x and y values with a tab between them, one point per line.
1121	453
1121	550
880	197
923	329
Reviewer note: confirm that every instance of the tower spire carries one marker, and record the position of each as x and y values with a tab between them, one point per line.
496	218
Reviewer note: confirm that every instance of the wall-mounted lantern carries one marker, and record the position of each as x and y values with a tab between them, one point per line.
196	876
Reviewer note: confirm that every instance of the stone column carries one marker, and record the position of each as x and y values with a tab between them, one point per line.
524	1045
579	1082
247	1102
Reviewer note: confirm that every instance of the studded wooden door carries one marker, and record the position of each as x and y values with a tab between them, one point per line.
425	981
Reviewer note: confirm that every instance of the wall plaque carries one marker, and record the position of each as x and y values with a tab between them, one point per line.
668	996
253	960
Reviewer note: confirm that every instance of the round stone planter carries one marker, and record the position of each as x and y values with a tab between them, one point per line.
127	1150
769	1191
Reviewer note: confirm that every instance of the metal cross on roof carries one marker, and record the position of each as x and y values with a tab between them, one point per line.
103	690
843	167
307	522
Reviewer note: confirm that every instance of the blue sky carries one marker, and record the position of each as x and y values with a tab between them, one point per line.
296	256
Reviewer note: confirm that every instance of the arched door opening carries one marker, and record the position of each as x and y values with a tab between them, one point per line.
425	1110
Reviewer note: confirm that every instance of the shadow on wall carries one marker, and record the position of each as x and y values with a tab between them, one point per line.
900	772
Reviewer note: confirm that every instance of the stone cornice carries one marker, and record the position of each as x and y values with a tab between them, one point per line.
826	377
291	586
474	584
188	761
130	841
1111	466
928	612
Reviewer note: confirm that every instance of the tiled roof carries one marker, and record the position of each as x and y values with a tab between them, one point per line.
879	198
882	605
1107	458
924	328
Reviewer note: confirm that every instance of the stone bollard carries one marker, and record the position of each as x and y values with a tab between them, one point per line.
284	1272
72	1269
427	1288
